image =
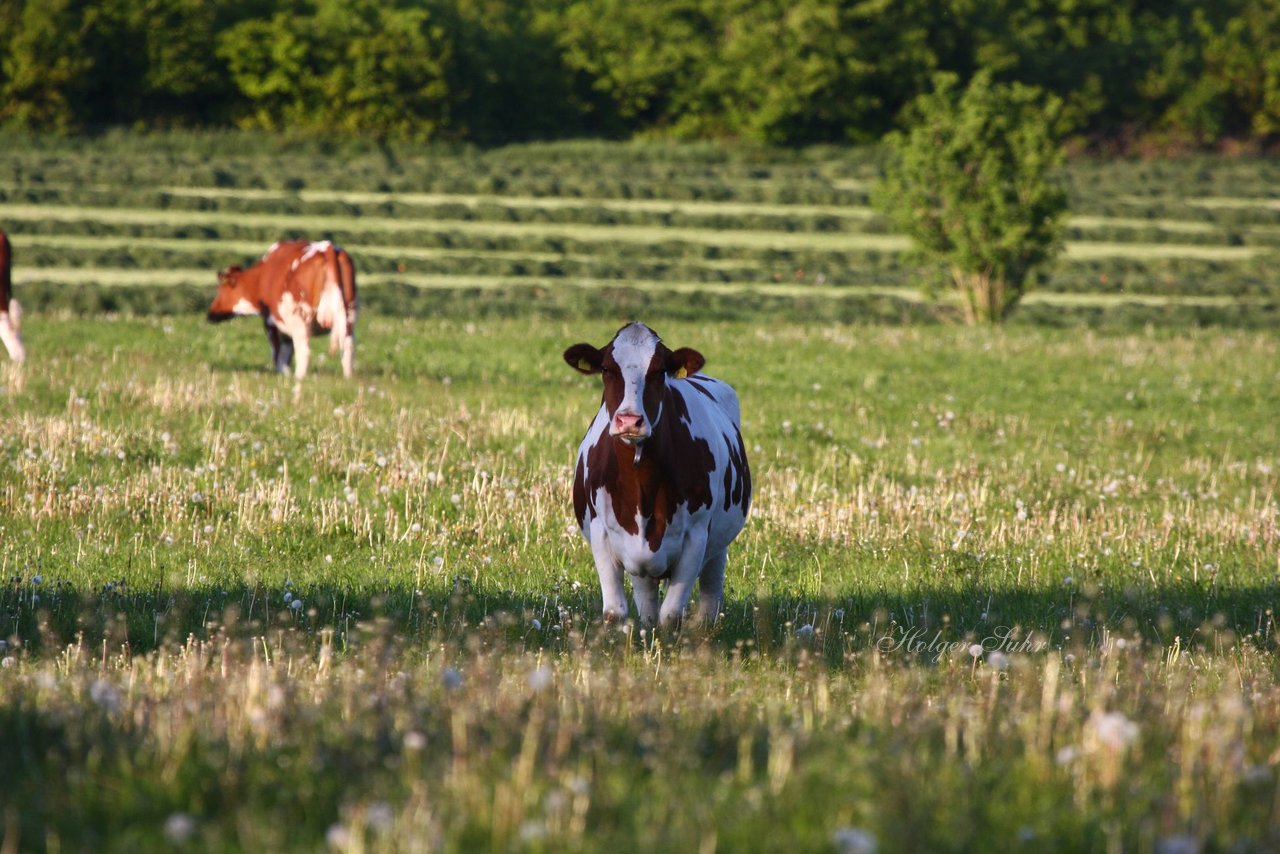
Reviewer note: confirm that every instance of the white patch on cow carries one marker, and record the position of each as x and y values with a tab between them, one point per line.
633	349
244	308
294	321
314	248
331	313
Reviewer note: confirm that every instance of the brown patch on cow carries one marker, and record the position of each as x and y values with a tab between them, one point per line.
737	475
702	389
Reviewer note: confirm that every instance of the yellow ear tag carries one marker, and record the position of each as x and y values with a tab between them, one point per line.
584	365
682	373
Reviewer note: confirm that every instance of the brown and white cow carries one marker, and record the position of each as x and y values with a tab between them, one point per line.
300	289
662	485
10	311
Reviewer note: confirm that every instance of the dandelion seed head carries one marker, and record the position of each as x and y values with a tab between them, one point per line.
178	828
1181	844
337	836
540	679
380	816
1113	730
855	840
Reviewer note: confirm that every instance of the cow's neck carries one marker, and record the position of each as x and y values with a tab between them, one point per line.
644	476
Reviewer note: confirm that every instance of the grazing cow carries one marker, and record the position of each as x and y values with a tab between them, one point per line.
662	485
10	311
300	289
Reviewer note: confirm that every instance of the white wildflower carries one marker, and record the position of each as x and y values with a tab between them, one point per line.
380	816
540	679
1112	729
855	840
178	828
338	837
104	695
1182	844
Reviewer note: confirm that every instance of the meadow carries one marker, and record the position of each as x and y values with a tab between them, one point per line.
1009	589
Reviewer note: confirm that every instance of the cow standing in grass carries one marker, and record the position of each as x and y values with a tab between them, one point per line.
300	289
10	311
662	485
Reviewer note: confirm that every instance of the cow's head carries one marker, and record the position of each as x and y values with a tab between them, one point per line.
635	366
233	296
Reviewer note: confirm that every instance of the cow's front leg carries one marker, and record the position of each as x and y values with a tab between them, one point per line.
281	346
285	354
303	358
646	593
9	334
348	353
682	578
612	594
711	587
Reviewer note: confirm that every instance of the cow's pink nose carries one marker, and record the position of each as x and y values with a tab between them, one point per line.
627	422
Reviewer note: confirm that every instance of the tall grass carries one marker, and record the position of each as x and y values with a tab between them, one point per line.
1012	590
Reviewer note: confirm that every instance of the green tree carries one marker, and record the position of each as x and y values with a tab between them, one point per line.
971	182
346	66
802	71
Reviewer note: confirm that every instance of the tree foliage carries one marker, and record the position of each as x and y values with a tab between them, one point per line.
971	183
787	72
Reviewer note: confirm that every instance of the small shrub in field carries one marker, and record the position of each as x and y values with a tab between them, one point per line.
971	184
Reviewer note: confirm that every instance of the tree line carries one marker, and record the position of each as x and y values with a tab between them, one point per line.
784	72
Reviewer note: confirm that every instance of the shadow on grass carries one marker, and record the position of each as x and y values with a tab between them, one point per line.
927	623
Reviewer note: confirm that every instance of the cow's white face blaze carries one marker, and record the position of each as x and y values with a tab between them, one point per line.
635	366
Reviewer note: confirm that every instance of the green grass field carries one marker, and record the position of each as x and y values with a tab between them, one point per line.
1097	513
1000	590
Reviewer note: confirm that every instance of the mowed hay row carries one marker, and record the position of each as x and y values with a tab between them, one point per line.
582	215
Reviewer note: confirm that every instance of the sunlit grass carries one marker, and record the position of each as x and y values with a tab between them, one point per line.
244	614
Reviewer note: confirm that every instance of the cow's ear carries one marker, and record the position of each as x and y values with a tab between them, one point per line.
683	362
584	358
227	275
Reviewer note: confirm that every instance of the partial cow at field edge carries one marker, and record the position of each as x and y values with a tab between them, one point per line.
299	289
10	311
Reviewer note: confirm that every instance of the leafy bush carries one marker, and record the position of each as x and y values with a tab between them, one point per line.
971	184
